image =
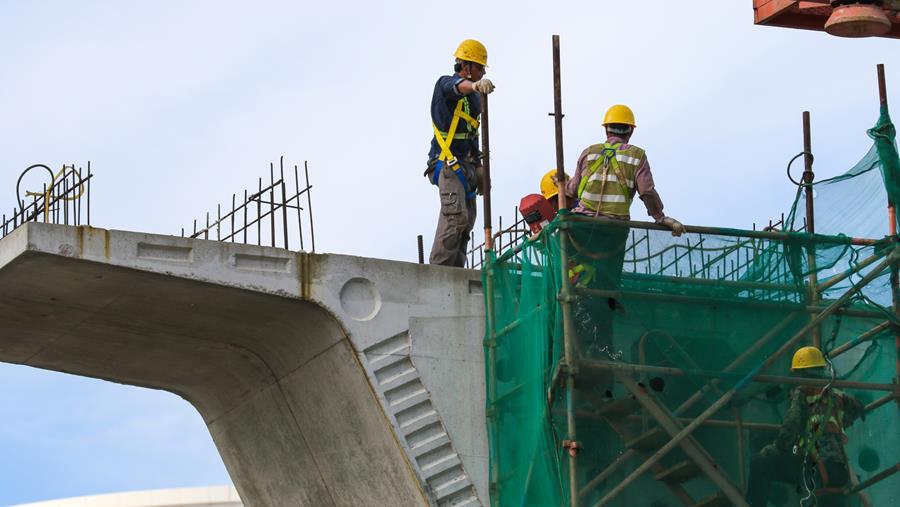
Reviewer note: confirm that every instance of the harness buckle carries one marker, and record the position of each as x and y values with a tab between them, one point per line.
453	163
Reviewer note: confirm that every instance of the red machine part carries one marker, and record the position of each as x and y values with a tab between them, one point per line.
850	20
536	211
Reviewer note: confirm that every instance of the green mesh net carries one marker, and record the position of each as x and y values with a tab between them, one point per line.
660	328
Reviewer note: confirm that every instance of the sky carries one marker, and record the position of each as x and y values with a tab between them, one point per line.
180	104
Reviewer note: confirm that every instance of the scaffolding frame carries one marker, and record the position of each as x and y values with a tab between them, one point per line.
680	429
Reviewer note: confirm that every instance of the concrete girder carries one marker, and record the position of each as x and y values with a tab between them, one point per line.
290	358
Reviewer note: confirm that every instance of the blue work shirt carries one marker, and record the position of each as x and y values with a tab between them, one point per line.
443	103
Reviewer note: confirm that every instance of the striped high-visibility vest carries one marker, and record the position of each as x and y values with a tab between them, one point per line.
607	184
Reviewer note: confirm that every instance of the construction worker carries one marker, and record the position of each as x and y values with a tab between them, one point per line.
609	174
454	161
607	177
539	209
550	188
809	448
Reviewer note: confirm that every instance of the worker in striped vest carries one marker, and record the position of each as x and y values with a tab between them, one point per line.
809	448
607	177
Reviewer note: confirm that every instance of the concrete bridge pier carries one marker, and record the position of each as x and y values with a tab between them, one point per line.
323	379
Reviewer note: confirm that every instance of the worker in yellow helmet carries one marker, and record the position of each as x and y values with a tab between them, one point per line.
607	177
550	188
809	448
454	160
538	210
609	174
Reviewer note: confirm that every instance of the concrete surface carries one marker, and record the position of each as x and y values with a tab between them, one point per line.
213	496
323	379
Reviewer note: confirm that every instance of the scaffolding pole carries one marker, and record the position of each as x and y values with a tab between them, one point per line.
808	176
566	297
750	377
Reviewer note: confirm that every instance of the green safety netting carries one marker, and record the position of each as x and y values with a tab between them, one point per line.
663	316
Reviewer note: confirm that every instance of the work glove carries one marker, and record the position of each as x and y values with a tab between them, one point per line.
675	225
484	86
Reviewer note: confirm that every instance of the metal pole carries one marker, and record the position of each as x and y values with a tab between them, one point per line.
728	396
631	368
566	290
808	177
491	345
892	227
725	231
486	165
868	335
884	400
557	117
880	476
312	226
691	448
858	266
742	465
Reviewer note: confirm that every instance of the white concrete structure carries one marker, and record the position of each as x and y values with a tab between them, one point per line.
214	496
323	379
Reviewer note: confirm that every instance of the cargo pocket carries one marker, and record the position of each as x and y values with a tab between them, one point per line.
450	204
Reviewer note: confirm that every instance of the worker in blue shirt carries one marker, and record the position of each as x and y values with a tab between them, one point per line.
454	160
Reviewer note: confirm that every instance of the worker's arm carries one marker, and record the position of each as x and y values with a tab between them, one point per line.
853	410
456	87
792	424
646	189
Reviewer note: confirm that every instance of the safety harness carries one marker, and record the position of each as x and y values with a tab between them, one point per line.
826	416
608	167
445	139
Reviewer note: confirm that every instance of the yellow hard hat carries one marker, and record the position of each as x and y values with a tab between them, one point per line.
807	357
471	50
619	114
549	186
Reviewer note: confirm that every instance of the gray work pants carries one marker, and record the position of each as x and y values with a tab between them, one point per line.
455	221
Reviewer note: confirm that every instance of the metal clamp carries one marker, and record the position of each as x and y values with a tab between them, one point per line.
573	446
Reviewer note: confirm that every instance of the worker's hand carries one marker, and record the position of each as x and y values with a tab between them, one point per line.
484	86
675	225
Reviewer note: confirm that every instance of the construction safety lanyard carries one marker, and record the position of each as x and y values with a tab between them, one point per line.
606	157
807	442
447	156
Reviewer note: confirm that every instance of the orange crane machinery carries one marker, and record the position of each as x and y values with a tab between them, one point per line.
843	18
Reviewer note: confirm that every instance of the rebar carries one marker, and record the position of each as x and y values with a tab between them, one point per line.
272	204
58	201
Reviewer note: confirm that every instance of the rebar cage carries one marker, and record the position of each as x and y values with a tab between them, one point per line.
64	198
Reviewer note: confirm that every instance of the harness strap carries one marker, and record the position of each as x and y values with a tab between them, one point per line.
444	141
607	158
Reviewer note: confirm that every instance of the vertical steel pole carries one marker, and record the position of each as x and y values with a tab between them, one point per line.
486	164
566	294
312	226
491	343
892	227
557	117
808	177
